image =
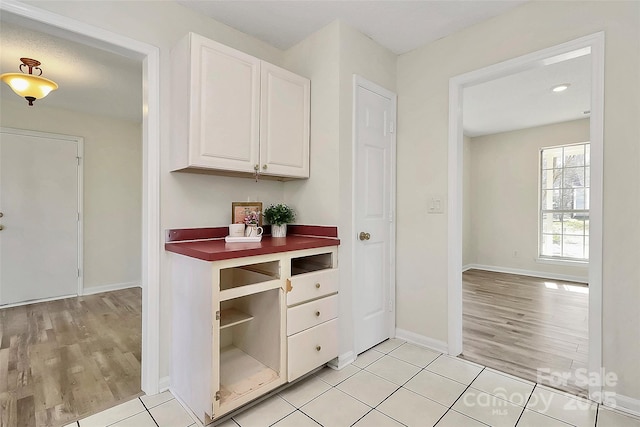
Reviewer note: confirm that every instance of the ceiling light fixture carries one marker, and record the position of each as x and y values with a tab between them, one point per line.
29	86
561	88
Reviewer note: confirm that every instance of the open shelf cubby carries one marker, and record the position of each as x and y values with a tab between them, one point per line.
308	264
232	317
250	344
251	274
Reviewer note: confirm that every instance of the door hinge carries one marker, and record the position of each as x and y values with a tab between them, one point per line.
217	399
78	159
392	127
217	317
78	216
78	272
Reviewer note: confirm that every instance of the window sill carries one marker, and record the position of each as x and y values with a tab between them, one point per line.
565	262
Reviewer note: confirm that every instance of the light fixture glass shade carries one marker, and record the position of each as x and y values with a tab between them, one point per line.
28	85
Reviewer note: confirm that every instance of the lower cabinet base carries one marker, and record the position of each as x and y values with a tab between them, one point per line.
242	374
222	417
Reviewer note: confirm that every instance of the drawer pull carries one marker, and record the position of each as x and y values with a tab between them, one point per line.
318	348
317	314
317	285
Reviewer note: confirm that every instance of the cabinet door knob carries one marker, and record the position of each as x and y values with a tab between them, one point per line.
317	314
317	285
256	167
364	236
264	167
318	348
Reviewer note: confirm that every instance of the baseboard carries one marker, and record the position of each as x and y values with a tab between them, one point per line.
530	273
422	341
342	360
108	288
625	404
35	301
163	384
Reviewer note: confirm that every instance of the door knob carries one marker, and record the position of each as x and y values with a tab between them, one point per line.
364	236
1	228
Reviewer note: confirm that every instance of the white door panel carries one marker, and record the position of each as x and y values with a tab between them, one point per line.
375	111
39	201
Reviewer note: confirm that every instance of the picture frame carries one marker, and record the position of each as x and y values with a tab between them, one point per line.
240	209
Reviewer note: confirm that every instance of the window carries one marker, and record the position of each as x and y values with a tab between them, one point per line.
564	202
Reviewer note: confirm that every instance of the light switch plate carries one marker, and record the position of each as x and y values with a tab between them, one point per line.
435	205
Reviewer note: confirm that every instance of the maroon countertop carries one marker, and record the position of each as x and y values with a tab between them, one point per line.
208	243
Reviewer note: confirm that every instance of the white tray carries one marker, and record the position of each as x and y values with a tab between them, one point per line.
230	239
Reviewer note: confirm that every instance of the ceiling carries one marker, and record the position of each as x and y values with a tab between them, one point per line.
399	25
525	99
90	79
101	82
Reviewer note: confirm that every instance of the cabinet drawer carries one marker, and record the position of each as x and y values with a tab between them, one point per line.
312	313
305	287
312	348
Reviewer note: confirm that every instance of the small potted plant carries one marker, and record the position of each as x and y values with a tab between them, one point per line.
279	216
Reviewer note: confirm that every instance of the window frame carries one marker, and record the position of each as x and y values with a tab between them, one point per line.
585	235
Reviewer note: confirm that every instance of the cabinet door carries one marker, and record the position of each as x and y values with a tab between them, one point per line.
284	123
225	89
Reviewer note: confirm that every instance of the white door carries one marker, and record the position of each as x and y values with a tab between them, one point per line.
39	188
374	198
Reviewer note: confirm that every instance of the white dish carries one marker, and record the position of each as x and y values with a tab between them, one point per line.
230	239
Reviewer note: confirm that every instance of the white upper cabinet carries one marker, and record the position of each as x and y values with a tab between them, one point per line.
233	113
284	122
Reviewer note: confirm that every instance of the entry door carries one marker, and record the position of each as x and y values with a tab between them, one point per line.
374	162
39	204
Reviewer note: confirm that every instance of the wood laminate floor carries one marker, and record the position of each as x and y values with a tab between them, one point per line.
63	360
519	324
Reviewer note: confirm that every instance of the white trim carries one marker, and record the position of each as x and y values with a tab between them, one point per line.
564	262
92	290
422	341
36	301
151	235
625	404
530	273
359	81
595	44
342	360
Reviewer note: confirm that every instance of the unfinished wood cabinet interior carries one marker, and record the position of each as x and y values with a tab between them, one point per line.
238	333
236	114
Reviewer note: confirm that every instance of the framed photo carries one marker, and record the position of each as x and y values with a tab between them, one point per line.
239	210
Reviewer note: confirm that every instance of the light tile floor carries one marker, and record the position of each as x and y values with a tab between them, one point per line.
393	384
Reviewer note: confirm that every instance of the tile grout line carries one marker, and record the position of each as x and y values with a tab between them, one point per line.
149	412
463	392
526	403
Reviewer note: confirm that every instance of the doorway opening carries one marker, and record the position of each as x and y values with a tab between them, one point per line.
151	236
593	46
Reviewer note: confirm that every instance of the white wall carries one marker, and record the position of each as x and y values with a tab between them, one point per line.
503	197
112	186
329	58
423	79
